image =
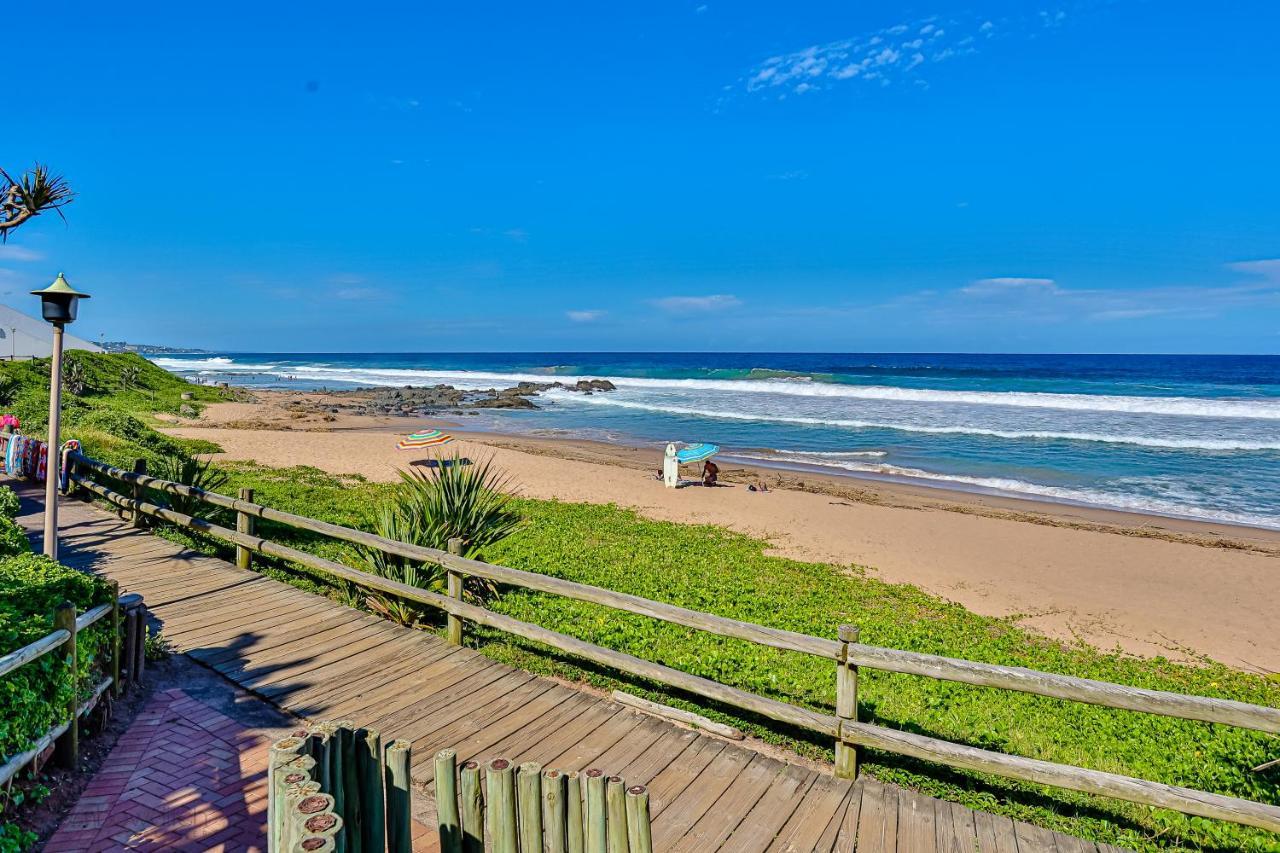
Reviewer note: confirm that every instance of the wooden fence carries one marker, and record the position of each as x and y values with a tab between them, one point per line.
336	787
845	651
128	655
529	809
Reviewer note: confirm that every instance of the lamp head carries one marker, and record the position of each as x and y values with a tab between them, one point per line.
58	301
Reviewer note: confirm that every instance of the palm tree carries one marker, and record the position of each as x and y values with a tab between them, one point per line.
36	192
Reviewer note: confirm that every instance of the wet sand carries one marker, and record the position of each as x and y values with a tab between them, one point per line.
1142	584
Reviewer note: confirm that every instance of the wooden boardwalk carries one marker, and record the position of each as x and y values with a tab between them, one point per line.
320	660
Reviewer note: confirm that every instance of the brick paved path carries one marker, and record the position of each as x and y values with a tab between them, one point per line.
183	777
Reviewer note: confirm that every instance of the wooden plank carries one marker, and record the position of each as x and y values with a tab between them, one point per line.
956	832
731	808
667	786
917	826
1033	839
995	833
824	800
618	757
841	834
666	749
878	819
687	809
761	825
586	750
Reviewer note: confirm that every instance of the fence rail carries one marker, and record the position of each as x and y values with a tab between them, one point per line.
846	652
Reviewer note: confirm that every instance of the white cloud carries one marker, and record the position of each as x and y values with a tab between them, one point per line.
1268	269
687	304
353	293
585	316
1008	285
11	252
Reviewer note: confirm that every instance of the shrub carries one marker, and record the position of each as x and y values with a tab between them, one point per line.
452	501
33	697
9	503
189	472
13	539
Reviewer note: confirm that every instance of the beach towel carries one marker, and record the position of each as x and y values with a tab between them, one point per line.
42	461
4	453
13	456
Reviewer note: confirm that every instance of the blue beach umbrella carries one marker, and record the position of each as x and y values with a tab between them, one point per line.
696	453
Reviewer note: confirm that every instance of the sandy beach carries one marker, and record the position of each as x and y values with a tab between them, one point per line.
1142	584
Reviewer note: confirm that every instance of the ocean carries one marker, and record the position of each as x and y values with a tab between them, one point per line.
1178	435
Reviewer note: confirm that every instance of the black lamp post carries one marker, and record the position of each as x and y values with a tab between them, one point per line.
58	304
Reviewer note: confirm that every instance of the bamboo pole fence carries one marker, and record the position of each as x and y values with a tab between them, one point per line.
334	786
531	810
122	671
846	652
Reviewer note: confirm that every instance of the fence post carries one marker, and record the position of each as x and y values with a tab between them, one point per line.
114	586
137	519
455	591
246	524
68	748
846	703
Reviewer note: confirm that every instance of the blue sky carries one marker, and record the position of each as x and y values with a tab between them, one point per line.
1074	176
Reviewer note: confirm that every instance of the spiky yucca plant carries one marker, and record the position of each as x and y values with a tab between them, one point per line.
74	378
450	501
189	472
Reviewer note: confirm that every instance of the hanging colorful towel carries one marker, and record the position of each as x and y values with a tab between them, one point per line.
42	462
13	456
31	457
64	472
4	453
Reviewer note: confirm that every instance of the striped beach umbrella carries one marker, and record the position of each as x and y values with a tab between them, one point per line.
426	438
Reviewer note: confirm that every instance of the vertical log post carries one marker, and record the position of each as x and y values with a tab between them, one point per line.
529	801
596	838
372	807
455	591
447	820
472	808
114	587
846	703
246	524
639	834
501	783
139	662
349	784
615	795
575	825
399	805
68	746
137	519
553	811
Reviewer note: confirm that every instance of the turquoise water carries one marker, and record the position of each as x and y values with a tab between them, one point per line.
1187	436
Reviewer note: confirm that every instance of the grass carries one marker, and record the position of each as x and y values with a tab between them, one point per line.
713	570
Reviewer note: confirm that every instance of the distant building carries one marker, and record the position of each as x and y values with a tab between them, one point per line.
26	337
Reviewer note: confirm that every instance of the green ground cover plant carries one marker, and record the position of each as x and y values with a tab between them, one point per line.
113	419
717	571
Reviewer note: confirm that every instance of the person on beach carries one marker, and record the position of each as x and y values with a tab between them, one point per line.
709	472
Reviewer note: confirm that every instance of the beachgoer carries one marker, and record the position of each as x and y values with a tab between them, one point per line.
709	472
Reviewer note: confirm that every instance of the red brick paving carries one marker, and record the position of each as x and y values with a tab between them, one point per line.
183	778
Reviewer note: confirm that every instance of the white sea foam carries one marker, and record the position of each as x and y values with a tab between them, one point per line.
1182	406
1140	440
1091	497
